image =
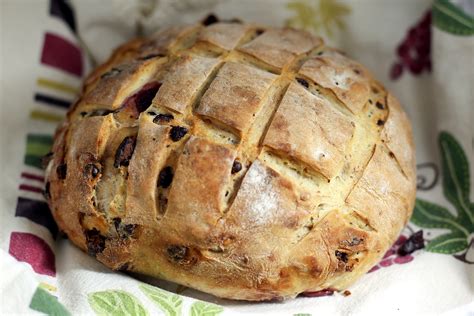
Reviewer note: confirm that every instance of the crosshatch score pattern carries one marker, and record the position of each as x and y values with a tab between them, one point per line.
248	162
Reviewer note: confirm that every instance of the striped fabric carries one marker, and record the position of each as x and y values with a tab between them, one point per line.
51	100
60	53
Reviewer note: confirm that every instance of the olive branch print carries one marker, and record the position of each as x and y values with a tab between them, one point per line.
116	302
119	302
449	17
456	188
168	302
318	15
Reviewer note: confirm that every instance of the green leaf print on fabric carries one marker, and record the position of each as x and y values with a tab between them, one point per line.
168	302
456	188
205	309
46	303
116	303
431	215
456	181
448	243
449	18
317	15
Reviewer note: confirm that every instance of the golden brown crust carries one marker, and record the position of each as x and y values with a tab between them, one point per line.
235	96
278	47
184	82
197	195
303	128
223	35
347	79
148	160
120	81
251	163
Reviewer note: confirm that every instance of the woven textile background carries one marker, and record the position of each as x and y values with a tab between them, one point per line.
422	50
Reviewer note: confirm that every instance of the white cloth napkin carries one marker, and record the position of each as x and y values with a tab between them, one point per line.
41	274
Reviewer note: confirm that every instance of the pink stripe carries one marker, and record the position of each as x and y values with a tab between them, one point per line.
325	292
386	262
26	247
404	259
31	176
61	53
26	187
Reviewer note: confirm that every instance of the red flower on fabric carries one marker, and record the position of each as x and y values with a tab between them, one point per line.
401	250
414	52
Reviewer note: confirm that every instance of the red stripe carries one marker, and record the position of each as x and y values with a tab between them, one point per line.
31	176
26	187
61	53
32	249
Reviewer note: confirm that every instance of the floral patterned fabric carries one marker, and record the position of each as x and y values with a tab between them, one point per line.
421	50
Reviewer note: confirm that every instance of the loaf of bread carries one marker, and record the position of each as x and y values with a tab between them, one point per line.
252	163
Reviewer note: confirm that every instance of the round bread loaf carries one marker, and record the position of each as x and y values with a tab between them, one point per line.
253	163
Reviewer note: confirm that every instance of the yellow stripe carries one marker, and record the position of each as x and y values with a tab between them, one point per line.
48	287
51	84
45	116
